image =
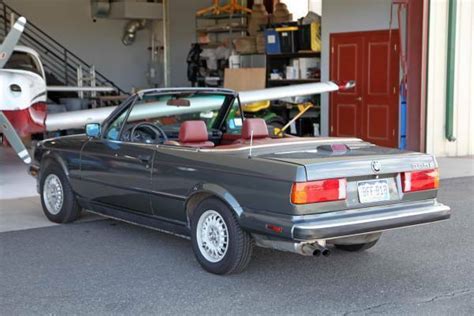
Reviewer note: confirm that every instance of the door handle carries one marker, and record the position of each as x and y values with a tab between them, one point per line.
144	158
359	98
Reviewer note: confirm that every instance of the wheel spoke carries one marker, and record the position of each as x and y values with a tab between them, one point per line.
53	194
212	235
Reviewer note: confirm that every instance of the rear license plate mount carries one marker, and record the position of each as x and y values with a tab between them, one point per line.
371	191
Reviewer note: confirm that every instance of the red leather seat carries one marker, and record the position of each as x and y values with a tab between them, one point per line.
194	134
259	128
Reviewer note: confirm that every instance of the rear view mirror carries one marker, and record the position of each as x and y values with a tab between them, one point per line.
93	130
178	102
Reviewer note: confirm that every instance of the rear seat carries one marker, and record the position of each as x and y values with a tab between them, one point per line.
256	125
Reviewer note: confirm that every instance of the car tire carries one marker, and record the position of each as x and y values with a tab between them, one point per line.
220	245
357	247
57	197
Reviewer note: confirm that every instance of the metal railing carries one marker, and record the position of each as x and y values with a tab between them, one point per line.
58	61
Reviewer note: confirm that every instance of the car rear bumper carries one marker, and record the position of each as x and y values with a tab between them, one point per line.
368	220
345	223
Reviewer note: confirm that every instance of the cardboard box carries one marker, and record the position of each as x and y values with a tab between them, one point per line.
243	79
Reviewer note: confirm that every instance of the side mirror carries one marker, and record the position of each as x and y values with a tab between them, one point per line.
93	130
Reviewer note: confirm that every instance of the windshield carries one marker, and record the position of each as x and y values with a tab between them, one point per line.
171	110
23	61
162	109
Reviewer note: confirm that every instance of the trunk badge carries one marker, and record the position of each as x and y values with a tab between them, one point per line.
376	166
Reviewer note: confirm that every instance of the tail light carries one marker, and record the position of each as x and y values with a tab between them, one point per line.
318	191
420	180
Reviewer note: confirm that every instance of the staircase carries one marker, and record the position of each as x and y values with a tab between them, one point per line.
60	64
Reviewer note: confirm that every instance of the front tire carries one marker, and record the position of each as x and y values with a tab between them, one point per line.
57	198
219	243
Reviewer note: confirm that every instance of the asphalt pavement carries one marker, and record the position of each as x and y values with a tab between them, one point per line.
108	267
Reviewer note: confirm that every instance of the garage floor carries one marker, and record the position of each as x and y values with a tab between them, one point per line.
98	266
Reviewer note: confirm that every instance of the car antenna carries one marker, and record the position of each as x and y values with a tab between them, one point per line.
251	144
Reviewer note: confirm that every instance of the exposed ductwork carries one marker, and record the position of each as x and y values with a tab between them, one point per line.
131	29
127	9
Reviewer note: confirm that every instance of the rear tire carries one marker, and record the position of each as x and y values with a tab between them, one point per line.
357	247
220	245
57	198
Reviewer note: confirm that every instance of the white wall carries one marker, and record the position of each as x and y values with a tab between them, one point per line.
348	16
436	142
182	33
299	8
70	23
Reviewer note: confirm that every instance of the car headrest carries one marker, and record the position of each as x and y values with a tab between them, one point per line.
257	125
193	132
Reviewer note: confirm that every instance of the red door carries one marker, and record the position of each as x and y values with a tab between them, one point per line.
370	111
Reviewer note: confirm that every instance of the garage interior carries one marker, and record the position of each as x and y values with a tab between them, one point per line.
397	51
128	45
147	44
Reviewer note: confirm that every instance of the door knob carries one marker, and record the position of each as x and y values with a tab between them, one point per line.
359	98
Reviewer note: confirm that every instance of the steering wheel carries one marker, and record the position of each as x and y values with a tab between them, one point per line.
146	128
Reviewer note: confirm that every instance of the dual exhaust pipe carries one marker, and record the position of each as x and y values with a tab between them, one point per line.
315	250
312	248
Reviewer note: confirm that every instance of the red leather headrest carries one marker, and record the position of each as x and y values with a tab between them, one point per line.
258	126
193	132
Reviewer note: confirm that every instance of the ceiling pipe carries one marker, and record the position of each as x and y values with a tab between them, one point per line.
130	31
450	65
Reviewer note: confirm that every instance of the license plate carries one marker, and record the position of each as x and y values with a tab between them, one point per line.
373	191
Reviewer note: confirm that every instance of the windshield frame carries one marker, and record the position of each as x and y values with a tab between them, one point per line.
230	97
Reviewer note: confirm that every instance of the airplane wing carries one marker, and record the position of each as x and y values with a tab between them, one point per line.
11	40
78	119
80	89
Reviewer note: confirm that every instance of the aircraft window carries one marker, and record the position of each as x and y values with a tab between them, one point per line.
23	61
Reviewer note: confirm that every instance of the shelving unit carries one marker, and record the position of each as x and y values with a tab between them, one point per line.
218	28
280	61
236	24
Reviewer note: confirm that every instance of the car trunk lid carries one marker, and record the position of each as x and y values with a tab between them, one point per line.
359	159
362	165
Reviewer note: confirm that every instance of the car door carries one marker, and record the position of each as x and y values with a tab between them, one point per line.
117	173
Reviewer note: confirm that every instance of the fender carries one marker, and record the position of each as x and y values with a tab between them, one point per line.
210	189
51	156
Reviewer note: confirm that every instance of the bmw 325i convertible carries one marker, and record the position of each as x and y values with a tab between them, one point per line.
187	162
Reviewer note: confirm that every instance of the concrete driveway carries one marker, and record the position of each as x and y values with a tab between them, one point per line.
109	267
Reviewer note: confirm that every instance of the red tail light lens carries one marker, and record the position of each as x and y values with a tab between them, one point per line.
420	180
318	191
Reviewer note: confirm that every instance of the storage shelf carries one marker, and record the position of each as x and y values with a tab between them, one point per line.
223	30
291	81
221	17
295	55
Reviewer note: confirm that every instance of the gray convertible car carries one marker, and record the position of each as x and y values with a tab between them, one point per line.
186	161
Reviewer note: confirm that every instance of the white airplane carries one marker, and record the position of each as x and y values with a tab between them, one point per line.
23	90
23	93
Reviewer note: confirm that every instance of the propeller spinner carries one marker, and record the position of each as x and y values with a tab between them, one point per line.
6	50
